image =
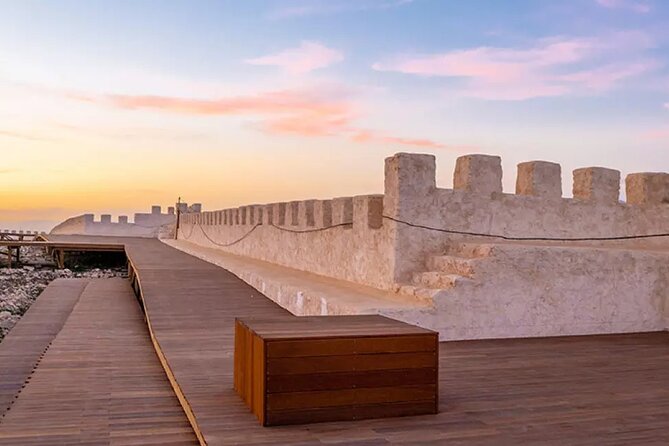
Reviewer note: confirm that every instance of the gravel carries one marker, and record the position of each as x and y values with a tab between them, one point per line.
19	287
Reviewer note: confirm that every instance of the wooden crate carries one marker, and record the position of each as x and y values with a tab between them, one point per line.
294	370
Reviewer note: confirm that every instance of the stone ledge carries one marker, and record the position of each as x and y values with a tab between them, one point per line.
302	293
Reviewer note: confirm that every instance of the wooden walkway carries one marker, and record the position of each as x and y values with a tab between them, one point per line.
57	249
18	235
99	382
599	390
23	348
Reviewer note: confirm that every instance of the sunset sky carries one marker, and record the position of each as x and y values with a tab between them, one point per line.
111	106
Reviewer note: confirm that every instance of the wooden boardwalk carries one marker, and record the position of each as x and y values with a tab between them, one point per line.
599	390
23	348
57	249
99	382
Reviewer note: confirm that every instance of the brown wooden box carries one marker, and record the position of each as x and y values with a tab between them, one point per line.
294	370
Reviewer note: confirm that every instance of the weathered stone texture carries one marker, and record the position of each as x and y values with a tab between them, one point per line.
597	184
368	211
323	213
306	213
294	212
268	214
540	179
647	188
342	210
259	212
407	176
478	174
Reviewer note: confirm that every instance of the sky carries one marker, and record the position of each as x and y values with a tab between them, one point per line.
112	106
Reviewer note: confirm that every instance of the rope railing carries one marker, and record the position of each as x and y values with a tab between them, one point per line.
294	231
507	237
429	228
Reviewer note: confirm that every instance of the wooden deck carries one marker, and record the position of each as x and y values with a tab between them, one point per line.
99	382
23	348
599	390
18	235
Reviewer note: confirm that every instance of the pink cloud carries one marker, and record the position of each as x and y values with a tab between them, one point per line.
276	102
370	136
287	112
629	5
307	57
656	134
309	125
550	67
666	105
606	77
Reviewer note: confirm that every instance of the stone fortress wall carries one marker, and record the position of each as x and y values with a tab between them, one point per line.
342	238
429	244
153	224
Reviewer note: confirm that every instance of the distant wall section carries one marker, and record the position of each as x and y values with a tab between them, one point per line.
154	224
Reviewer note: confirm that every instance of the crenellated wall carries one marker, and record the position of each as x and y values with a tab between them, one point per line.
154	224
338	238
537	209
422	242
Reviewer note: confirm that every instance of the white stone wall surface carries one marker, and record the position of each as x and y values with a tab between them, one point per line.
492	264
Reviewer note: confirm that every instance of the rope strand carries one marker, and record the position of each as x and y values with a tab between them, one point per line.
231	243
306	231
295	231
506	237
431	228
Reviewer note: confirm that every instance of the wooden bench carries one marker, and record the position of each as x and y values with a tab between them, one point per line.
295	370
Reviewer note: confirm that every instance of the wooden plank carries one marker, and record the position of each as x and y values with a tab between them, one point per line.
387	361
315	327
310	365
248	368
351	345
310	400
345	380
317	381
239	358
384	378
310	347
349	397
258	373
343	363
397	344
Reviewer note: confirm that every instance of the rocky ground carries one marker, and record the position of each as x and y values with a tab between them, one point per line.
20	286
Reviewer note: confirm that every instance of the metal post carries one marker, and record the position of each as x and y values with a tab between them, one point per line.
176	232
